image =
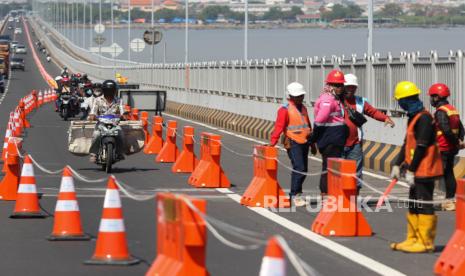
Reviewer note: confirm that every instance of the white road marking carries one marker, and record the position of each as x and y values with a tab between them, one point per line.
337	248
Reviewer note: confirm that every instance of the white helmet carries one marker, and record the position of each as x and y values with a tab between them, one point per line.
58	78
295	89
350	80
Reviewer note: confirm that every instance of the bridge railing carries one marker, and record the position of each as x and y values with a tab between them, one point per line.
265	80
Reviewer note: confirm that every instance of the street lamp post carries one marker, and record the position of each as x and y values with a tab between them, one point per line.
186	45
370	28
246	29
129	30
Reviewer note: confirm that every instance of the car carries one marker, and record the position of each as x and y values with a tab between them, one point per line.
20	49
18	31
13	44
17	64
10	19
10	27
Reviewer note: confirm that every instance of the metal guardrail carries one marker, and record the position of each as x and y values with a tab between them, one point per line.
265	80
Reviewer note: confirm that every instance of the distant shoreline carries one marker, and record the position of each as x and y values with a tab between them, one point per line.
267	26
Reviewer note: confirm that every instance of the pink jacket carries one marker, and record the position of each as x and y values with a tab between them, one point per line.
328	111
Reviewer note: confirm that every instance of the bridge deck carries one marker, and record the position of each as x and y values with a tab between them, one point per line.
27	251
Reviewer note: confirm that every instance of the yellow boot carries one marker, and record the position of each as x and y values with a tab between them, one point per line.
425	235
412	225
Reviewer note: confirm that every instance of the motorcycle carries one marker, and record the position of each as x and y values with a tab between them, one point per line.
107	154
67	105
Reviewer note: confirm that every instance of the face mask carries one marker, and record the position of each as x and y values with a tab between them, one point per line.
97	93
411	106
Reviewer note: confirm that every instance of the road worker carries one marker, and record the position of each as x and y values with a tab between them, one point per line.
330	131
353	149
449	136
421	162
293	120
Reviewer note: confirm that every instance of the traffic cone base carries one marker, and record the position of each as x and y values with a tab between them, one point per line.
28	215
69	238
125	262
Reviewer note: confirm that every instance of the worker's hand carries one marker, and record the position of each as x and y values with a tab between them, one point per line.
271	145
410	178
92	117
395	172
389	122
462	145
313	149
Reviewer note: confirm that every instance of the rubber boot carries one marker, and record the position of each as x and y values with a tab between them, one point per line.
425	235
412	225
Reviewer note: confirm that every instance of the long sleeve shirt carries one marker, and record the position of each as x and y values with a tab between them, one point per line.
368	110
281	123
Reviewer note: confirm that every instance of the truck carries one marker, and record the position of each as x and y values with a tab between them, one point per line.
5	57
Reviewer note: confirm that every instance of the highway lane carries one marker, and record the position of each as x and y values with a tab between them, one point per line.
30	253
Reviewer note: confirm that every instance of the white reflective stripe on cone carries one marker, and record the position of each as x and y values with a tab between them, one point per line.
66	206
112	199
28	170
111	225
27	189
67	185
272	267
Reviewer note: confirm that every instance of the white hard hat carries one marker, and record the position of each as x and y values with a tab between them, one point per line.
350	80
58	78
295	89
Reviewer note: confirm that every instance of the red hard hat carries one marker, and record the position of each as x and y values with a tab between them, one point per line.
335	76
65	79
439	89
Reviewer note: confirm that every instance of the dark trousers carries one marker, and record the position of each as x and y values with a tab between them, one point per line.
330	151
298	153
422	190
449	177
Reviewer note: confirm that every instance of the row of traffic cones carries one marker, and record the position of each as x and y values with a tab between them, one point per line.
111	247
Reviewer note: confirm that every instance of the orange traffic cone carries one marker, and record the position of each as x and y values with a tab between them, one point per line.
9	184
135	114
186	161
169	152
112	248
5	142
144	117
67	224
27	201
156	140
273	262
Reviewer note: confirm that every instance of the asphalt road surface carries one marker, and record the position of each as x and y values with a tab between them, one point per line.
27	252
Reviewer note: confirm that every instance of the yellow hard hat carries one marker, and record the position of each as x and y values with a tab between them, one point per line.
118	75
406	89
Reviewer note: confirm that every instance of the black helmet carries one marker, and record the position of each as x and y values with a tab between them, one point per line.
97	85
109	86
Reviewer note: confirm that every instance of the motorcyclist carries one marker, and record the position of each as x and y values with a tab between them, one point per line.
59	83
65	72
87	103
49	58
107	104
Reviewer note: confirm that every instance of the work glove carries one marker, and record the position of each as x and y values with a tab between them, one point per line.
410	178
395	172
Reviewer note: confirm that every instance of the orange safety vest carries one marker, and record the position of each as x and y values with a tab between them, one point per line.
431	164
298	128
454	122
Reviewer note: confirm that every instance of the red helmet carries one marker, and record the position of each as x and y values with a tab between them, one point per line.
335	76
65	80
439	89
78	75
